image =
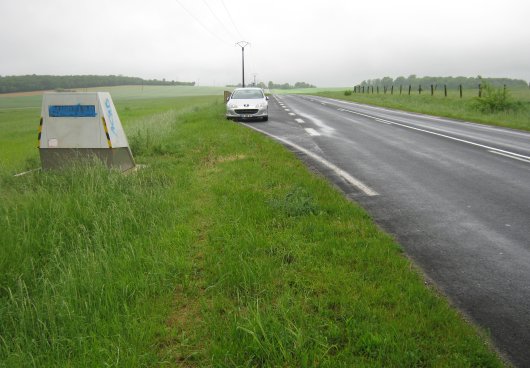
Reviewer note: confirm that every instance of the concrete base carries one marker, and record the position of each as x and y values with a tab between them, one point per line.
114	158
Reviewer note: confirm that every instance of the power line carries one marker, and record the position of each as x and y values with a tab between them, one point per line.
231	19
230	34
202	25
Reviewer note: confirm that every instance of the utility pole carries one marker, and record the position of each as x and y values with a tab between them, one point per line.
243	44
255	79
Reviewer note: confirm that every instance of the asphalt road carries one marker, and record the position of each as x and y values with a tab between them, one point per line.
456	195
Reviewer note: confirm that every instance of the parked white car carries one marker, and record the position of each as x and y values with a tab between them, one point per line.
247	103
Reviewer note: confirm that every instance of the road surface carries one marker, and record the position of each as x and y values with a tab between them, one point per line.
456	195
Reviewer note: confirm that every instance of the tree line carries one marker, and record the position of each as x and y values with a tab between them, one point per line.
272	85
26	83
450	82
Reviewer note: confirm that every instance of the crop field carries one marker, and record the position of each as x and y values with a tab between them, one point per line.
224	250
451	106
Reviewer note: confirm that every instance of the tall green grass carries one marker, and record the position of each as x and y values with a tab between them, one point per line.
224	251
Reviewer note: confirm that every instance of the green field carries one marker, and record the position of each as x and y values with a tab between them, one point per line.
225	250
451	106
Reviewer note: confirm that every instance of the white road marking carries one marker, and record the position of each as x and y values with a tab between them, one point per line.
510	156
312	132
387	122
350	179
301	121
429	117
287	110
324	128
444	136
292	114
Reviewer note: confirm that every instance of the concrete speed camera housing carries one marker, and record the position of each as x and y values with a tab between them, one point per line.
81	125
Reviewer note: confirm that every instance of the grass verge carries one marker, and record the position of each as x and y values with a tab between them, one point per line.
224	251
452	106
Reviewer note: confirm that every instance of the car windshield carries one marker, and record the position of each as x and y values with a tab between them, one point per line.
247	94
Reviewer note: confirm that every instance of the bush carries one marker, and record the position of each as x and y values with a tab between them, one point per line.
347	92
495	99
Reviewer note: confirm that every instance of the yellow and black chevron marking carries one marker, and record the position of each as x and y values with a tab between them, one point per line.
106	132
40	132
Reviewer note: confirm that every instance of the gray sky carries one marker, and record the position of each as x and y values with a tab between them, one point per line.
327	42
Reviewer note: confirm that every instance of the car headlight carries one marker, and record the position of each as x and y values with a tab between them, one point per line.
232	106
261	104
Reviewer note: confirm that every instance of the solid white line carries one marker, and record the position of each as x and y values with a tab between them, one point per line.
510	156
429	117
301	121
312	132
350	179
444	136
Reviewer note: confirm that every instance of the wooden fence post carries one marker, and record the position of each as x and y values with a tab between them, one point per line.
392	90
400	88
479	90
445	90
460	86
419	89
410	87
432	90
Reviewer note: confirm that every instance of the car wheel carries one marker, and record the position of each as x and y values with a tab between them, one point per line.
265	118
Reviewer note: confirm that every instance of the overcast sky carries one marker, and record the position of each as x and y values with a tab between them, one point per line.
326	43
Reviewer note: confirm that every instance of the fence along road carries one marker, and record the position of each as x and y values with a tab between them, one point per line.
456	195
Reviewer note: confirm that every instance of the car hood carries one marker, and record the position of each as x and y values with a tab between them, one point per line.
246	103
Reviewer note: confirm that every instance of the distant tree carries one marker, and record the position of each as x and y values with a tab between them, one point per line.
400	80
387	81
272	85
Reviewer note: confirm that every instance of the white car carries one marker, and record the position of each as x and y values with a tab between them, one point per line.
247	103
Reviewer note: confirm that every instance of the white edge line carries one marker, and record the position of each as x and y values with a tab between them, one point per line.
429	117
510	156
350	179
445	136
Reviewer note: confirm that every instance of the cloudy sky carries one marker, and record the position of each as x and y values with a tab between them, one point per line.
326	42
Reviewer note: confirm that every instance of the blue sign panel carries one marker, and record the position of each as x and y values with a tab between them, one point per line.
72	111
